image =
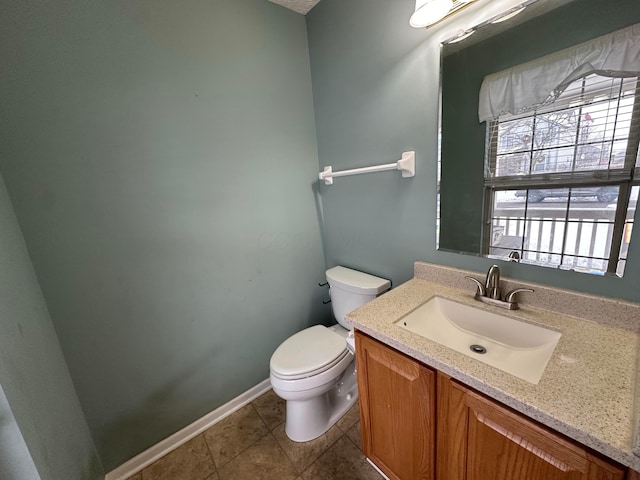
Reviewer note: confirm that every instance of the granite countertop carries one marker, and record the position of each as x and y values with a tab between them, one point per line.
587	391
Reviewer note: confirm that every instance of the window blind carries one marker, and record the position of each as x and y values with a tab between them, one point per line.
588	135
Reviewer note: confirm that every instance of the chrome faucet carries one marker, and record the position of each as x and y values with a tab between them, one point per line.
492	283
489	292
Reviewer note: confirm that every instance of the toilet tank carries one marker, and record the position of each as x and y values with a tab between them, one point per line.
351	289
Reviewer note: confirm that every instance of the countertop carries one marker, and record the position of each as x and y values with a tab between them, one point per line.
587	391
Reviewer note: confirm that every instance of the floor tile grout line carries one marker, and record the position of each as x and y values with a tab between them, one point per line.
331	444
356	445
285	453
318	459
218	468
215	467
253	405
239	453
263	420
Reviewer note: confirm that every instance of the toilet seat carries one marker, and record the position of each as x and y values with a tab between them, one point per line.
307	353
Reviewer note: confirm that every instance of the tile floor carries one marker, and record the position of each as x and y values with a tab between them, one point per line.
251	444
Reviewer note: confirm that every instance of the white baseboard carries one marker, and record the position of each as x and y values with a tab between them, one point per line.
160	449
378	470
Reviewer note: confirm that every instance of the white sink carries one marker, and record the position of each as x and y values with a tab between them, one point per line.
515	347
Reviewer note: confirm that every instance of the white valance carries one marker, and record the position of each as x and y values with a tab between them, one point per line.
539	82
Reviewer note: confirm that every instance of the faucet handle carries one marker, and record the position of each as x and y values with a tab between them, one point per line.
511	296
482	291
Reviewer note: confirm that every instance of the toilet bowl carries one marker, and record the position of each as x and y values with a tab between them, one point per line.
313	370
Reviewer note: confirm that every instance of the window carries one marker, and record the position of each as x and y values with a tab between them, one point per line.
559	181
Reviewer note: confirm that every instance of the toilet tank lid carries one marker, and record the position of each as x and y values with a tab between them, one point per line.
357	282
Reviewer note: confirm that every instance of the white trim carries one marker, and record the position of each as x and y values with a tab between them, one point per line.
374	466
160	449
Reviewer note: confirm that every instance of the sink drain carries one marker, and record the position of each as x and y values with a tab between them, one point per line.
477	349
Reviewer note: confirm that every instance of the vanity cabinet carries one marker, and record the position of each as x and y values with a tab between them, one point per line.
397	411
401	401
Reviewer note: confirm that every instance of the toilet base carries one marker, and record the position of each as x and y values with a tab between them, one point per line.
308	419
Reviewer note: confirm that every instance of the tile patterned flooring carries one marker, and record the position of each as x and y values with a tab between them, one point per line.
251	444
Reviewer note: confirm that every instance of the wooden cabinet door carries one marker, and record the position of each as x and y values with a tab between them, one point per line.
397	411
487	441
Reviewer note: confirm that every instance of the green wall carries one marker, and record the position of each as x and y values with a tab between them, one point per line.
161	158
39	398
376	83
463	165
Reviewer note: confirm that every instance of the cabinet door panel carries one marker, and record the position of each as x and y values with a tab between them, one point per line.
397	408
633	475
491	442
505	448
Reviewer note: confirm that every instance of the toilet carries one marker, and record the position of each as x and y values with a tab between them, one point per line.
313	370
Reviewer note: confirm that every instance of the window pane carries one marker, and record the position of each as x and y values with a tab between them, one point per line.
545	235
556	129
521	222
628	228
515	135
507	224
541	259
602	120
509	203
513	164
593	203
589	239
618	153
555	160
633	200
505	253
589	265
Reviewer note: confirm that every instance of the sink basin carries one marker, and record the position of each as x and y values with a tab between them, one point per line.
512	346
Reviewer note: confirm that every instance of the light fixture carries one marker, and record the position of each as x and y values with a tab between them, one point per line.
508	15
461	36
429	12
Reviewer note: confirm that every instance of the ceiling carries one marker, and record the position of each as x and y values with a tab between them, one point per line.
300	6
